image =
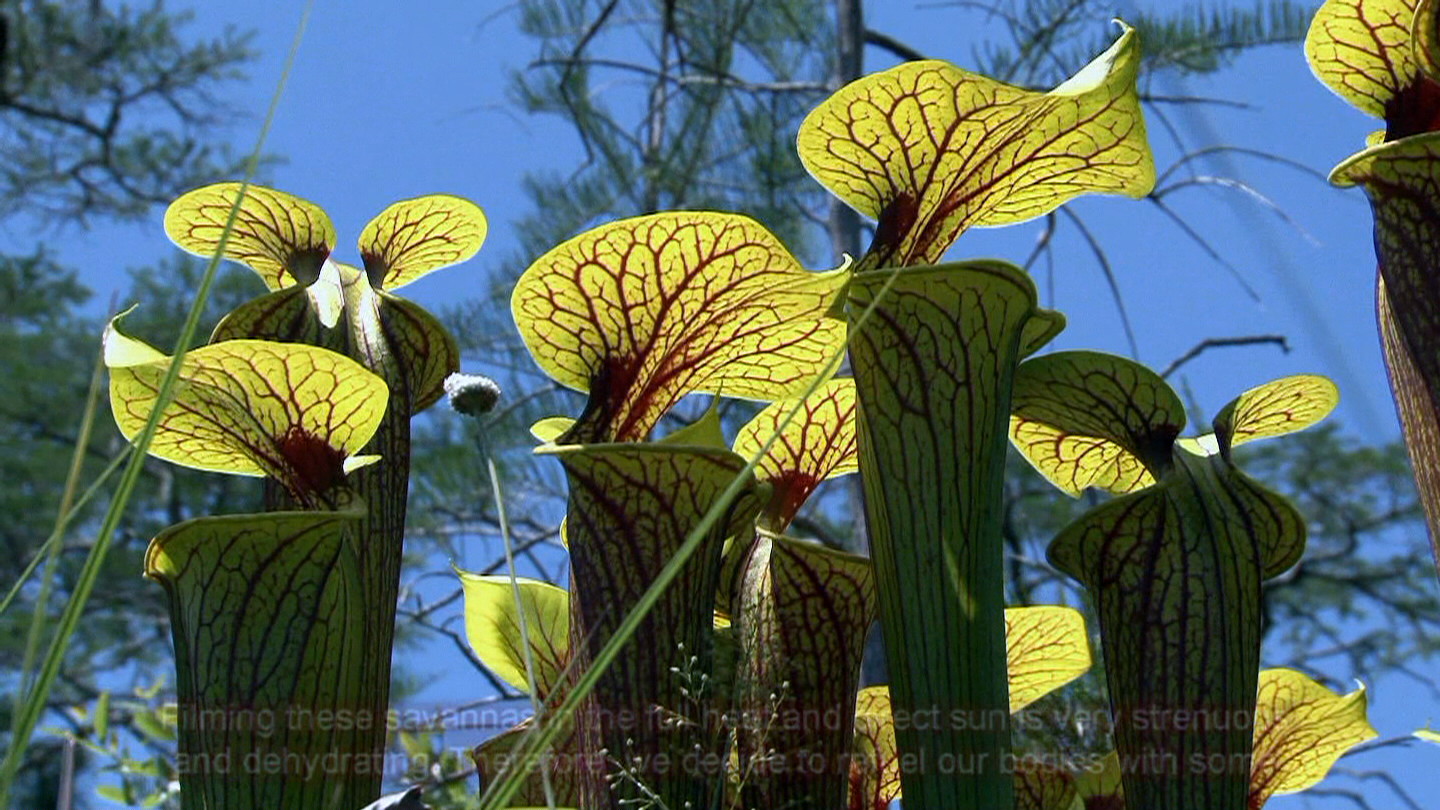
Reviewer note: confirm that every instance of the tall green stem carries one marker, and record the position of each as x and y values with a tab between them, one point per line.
934	363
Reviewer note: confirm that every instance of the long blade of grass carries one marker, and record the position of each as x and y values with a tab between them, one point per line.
54	539
36	699
62	521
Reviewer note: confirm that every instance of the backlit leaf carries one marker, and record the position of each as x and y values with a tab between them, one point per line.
283	238
875	769
817	444
551	428
1084	418
1276	408
1361	49
1047	647
1042	786
642	311
928	149
1099	784
493	627
1301	728
1073	463
250	407
413	237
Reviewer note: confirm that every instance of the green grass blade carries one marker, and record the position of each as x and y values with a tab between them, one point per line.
36	699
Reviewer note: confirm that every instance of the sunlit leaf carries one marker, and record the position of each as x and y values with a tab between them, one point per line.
875	769
1301	728
283	238
929	149
250	407
1073	463
1361	49
642	311
1204	529
818	443
493	627
1047	647
1085	418
266	614
414	237
1276	408
551	428
1099	785
1041	786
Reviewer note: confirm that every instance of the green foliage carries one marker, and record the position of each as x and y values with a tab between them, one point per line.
108	110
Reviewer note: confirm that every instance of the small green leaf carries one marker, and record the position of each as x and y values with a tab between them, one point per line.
493	627
414	237
283	238
551	428
102	715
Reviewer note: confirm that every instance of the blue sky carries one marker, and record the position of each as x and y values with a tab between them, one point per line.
393	100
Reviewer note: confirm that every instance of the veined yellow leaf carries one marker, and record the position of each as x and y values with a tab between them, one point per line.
875	768
1362	50
1047	647
817	444
1091	419
413	237
1301	728
1276	408
275	234
642	311
1074	463
250	407
928	149
493	627
1043	786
